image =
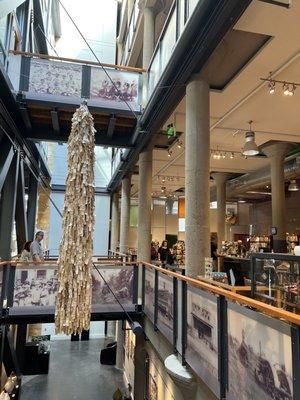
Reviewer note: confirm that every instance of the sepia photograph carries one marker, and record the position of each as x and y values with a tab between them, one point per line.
149	294
202	336
165	310
120	281
122	86
259	357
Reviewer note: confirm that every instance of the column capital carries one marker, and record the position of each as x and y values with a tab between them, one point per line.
220	177
276	149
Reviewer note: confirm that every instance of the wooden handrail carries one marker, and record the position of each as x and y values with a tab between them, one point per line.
246	301
78	61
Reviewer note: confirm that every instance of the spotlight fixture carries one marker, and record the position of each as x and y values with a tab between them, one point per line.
288	88
169	153
223	155
179	144
250	147
232	155
272	87
293	186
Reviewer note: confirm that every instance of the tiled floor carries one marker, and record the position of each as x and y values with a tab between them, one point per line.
75	373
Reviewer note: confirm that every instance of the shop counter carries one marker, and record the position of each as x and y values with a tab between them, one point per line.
241	268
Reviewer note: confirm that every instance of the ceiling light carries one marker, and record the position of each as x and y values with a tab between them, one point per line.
179	144
250	147
223	155
271	87
286	89
163	179
241	201
232	155
293	186
169	153
292	89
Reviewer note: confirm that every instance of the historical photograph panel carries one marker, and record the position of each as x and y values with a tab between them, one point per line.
120	281
149	294
34	291
165	311
259	357
202	336
122	87
55	78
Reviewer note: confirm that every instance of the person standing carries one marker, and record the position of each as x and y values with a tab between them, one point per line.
164	253
25	255
36	251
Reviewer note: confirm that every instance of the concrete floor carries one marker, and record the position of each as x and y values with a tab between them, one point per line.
75	373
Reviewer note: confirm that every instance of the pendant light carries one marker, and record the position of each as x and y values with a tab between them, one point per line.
293	186
250	147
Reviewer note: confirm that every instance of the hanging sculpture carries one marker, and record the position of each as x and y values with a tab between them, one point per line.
73	303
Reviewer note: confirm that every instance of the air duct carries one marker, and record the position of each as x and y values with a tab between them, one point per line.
257	179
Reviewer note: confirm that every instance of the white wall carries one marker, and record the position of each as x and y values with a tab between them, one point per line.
96	331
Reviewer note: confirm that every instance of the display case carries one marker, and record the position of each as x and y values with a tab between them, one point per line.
275	279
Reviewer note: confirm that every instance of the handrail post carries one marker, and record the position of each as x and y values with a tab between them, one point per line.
175	314
222	346
295	336
155	299
184	322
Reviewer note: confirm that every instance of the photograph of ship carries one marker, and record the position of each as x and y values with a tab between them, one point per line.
120	281
149	294
202	336
122	86
55	78
165	306
259	357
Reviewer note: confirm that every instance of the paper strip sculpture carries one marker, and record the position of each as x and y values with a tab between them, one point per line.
73	303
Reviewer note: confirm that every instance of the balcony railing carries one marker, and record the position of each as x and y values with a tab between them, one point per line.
179	14
64	80
235	344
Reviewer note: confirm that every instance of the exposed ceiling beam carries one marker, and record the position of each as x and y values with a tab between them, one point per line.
26	118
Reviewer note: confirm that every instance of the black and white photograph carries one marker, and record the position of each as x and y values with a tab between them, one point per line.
165	310
113	92
153	390
149	294
35	288
202	336
119	281
259	357
55	78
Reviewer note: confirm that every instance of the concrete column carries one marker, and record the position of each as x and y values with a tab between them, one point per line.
130	4
148	35
144	219
111	329
115	222
125	213
197	175
276	152
120	357
220	179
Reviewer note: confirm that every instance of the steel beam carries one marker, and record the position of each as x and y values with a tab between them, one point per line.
111	126
7	208
7	153
55	121
32	206
20	214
